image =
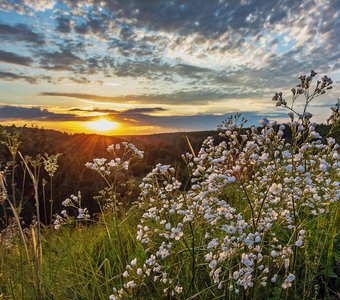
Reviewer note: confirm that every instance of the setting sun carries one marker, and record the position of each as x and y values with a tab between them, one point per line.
103	125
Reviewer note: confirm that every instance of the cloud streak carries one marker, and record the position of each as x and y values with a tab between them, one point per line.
20	33
37	114
178	98
9	76
12	58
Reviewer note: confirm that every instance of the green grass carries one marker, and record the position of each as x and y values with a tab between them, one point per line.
85	262
78	263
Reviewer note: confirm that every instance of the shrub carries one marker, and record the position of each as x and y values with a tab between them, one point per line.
259	218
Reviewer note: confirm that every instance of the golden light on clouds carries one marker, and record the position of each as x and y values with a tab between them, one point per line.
102	125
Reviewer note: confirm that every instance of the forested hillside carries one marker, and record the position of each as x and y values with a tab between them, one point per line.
77	149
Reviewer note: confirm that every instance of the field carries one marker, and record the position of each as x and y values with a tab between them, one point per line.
244	213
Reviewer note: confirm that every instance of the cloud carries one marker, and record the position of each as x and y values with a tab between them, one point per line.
80	80
213	17
59	60
12	58
179	97
144	110
63	24
37	79
9	76
139	110
155	70
188	123
193	123
142	33
20	33
28	7
35	113
81	96
94	110
96	25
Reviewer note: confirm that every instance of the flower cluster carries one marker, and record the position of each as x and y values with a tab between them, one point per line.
243	220
73	202
11	140
304	88
108	169
122	155
51	163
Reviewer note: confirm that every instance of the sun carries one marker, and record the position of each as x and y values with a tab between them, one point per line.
103	125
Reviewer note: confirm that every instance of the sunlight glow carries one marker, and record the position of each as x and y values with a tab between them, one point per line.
102	125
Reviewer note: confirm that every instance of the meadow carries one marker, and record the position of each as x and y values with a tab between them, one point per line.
252	213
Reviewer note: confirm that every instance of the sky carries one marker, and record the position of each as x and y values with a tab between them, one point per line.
148	66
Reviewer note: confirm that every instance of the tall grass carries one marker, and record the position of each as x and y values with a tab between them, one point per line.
79	262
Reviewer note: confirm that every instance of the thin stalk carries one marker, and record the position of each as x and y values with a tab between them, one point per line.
105	223
250	206
13	181
295	236
5	222
16	217
44	201
12	287
333	230
51	198
117	228
193	261
307	262
39	243
23	188
22	277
